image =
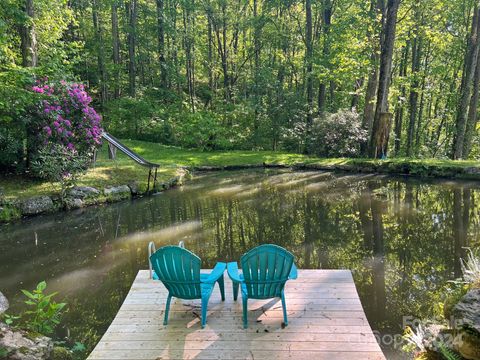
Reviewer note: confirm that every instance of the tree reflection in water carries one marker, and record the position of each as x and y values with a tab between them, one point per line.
402	238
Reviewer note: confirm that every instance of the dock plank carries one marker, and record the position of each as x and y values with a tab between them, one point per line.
326	321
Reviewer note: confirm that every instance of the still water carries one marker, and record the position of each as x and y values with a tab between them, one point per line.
402	238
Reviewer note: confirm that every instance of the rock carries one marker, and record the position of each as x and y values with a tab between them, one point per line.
83	192
4	305
116	193
467	343
472	170
19	347
60	353
71	203
36	205
134	188
467	311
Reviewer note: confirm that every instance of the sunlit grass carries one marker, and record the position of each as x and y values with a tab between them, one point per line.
123	170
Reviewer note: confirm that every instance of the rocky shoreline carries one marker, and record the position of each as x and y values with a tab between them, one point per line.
83	196
78	197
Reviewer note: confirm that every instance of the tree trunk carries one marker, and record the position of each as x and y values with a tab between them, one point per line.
399	110
471	55
472	113
256	45
376	6
161	42
382	119
132	38
308	73
327	22
413	98
102	74
116	50
28	37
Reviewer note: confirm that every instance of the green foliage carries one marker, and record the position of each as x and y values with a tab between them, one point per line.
44	314
339	134
447	353
11	150
58	164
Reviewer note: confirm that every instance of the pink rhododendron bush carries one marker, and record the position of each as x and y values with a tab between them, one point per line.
64	117
65	130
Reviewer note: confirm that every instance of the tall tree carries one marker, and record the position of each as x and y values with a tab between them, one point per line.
102	74
309	70
115	50
131	8
413	98
327	11
161	42
471	54
382	119
376	8
28	36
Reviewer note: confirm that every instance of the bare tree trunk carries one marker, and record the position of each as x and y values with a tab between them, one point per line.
376	6
116	50
413	98
132	38
355	96
308	73
472	113
161	42
327	22
471	55
382	119
102	74
28	37
256	44
399	110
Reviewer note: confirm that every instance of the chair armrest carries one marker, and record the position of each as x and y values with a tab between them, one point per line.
216	273
232	269
293	272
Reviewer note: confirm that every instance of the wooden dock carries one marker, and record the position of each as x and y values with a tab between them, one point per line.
326	321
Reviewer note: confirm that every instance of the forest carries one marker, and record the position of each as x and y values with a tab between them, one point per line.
372	78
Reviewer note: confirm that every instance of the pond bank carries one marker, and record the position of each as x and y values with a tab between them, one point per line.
111	181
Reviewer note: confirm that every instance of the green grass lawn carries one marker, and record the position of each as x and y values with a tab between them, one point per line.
123	170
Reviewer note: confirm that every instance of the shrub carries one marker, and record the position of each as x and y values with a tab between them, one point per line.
60	164
339	134
64	116
11	150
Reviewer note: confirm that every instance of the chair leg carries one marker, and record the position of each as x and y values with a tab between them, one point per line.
245	310
284	306
221	285
235	290
204	311
167	309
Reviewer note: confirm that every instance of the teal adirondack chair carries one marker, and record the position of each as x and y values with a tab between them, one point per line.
179	270
265	270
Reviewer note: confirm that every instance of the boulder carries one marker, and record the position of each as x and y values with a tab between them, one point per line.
83	192
472	170
115	193
467	311
4	305
19	346
36	205
73	203
467	343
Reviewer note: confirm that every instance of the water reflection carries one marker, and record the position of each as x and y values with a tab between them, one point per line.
402	238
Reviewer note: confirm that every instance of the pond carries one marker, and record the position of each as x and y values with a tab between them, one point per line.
401	237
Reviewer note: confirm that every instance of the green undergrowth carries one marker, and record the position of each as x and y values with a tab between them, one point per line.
106	172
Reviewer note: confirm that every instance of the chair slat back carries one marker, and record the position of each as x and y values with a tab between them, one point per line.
179	270
265	270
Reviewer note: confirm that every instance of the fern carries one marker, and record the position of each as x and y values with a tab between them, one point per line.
448	354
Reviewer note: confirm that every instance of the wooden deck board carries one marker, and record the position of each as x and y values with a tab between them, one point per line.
326	321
